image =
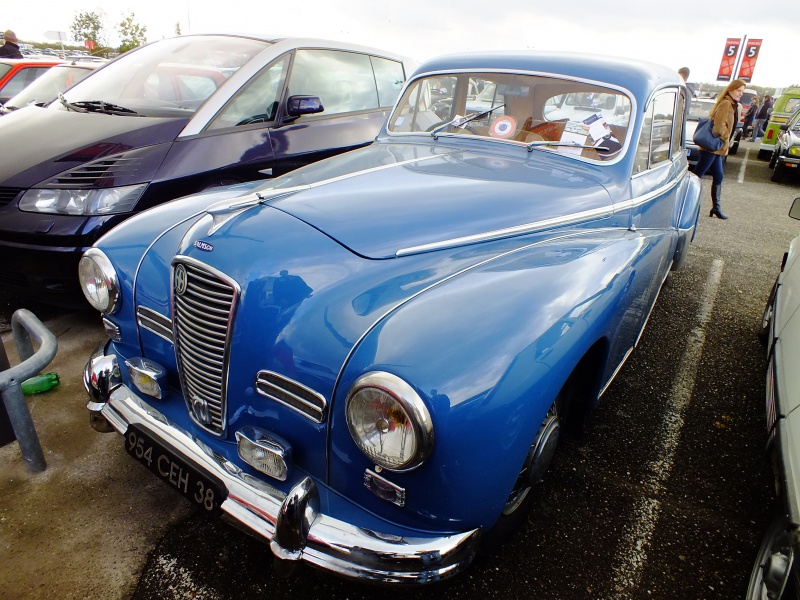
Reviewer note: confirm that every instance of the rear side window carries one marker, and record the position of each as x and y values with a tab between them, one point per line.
389	78
342	80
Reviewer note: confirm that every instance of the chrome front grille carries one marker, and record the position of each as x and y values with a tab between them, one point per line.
290	393
204	301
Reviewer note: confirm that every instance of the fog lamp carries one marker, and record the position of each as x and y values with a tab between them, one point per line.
148	377
265	452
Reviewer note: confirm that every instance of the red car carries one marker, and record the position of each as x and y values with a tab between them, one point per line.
17	74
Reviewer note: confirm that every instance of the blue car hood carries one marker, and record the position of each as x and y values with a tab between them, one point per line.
387	200
44	142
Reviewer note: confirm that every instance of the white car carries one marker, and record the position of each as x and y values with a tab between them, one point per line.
776	572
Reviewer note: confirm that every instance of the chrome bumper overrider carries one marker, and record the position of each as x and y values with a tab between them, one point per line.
292	522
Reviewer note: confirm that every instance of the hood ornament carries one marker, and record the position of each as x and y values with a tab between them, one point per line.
224	211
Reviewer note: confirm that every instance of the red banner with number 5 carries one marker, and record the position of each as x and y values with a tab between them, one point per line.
749	59
729	59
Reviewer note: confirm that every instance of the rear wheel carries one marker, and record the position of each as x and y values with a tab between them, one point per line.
764	154
766	317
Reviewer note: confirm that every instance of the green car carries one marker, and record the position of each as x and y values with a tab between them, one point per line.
785	105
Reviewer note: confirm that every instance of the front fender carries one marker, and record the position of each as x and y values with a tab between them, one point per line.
488	350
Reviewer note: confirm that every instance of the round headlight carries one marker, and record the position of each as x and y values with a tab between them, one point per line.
98	280
389	422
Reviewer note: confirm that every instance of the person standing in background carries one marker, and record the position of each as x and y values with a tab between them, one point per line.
684	73
11	48
750	117
762	118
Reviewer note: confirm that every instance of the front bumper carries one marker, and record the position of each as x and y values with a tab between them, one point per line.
292	521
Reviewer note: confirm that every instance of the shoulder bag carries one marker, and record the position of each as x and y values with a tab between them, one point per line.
704	136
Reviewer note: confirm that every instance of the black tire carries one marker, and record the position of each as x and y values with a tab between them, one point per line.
777	172
766	317
526	489
734	147
773	159
764	154
772	575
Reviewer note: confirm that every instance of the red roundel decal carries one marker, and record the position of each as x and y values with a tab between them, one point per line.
503	127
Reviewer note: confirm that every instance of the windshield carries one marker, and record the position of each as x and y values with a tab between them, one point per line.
559	115
47	87
169	78
700	110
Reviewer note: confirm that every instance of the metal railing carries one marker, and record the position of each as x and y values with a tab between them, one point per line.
26	329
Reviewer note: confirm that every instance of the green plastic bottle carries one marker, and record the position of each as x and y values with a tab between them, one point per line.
40	383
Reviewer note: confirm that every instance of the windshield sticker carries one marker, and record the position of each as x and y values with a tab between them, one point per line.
503	127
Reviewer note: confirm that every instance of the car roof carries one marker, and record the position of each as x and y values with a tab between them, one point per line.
637	76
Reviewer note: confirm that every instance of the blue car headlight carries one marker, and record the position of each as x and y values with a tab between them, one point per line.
389	422
82	202
99	281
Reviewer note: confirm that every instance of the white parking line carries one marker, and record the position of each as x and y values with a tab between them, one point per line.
631	556
742	168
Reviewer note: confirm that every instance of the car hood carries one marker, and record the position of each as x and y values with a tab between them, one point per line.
389	200
48	141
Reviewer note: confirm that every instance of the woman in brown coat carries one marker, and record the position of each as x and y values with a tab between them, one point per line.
725	114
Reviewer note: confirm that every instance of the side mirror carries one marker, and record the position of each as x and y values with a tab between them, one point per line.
794	211
297	106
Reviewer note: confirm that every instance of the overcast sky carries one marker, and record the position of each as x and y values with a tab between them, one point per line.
675	33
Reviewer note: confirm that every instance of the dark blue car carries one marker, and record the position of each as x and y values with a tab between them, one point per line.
369	361
169	119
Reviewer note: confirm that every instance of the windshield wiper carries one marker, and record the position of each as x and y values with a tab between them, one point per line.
68	105
546	144
462	121
100	106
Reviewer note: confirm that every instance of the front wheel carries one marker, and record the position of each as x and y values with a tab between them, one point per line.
519	502
773	575
777	172
764	154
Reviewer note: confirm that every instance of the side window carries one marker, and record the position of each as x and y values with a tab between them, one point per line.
342	80
258	101
21	79
389	77
678	143
655	141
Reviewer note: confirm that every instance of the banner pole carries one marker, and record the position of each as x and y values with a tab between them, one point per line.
739	58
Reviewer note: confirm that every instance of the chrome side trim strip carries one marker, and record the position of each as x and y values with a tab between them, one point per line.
321	540
588	215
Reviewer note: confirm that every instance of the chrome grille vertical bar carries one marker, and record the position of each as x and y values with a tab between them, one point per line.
203	304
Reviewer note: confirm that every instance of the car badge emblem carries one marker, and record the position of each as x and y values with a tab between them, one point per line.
200	409
204	246
181	280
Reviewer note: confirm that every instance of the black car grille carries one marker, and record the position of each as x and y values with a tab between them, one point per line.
8	194
203	310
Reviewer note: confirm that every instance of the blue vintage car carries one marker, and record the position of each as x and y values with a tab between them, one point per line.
369	361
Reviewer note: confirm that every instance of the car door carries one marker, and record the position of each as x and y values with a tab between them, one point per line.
658	185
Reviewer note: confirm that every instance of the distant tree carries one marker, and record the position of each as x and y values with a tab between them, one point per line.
131	33
87	26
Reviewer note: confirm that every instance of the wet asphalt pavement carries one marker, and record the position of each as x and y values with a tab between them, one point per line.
666	494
